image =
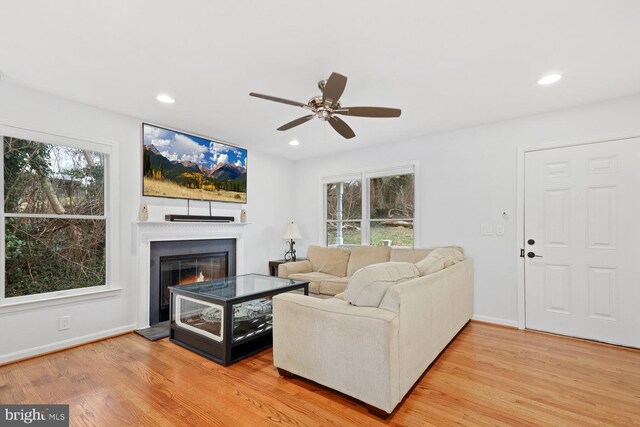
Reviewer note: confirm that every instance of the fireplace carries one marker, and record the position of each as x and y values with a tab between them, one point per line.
175	263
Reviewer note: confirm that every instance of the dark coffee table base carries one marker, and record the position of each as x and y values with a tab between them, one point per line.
226	351
203	346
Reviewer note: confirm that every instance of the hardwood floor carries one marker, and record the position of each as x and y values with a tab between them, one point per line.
489	376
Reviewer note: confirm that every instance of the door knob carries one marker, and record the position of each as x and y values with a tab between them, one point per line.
533	255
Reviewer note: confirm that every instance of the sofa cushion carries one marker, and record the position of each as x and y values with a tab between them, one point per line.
333	286
362	256
322	283
331	261
439	259
368	285
408	255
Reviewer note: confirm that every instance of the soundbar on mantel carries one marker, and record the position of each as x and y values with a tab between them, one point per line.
198	218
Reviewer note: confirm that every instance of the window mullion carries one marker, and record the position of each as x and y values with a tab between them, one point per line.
365	237
339	195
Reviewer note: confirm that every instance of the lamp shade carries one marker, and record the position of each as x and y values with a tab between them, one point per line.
292	232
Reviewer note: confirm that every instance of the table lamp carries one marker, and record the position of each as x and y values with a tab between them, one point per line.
291	233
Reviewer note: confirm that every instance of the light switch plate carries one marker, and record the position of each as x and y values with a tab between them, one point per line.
486	229
500	230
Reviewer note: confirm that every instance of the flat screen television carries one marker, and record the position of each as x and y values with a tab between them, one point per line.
182	166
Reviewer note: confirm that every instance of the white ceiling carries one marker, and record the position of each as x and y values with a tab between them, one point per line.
448	64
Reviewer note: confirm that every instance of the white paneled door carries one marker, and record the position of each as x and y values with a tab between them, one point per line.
582	241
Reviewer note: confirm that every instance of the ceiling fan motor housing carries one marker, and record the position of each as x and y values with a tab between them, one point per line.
322	110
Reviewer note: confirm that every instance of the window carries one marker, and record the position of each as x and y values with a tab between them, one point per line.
379	213
54	218
391	207
344	212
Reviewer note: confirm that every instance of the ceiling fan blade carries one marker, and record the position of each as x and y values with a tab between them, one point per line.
333	89
281	100
341	127
296	122
369	111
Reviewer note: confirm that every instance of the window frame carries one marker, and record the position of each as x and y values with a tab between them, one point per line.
365	175
109	151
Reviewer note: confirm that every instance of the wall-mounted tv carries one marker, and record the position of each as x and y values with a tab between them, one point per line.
183	166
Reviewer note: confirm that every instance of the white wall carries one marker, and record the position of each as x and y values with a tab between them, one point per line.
35	330
467	178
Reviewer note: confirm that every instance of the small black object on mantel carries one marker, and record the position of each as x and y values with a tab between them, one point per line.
198	218
291	233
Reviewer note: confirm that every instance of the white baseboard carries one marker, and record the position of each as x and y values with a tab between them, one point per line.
496	320
60	345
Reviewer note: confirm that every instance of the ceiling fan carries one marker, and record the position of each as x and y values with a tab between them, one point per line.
326	106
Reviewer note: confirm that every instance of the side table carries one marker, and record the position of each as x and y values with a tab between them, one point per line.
273	265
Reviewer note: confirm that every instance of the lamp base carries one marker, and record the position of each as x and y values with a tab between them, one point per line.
290	255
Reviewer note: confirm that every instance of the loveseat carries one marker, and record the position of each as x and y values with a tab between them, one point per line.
328	269
374	341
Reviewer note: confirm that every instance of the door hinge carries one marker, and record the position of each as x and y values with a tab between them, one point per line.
521	253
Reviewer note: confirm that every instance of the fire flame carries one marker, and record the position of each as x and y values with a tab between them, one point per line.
194	278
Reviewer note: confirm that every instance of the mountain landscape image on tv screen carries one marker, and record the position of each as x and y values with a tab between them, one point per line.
178	165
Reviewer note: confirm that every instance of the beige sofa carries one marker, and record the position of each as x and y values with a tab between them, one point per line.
328	269
374	354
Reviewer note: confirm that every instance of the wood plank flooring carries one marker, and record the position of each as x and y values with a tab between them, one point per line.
488	376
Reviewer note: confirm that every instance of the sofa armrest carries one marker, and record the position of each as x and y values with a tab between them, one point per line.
350	349
432	309
289	268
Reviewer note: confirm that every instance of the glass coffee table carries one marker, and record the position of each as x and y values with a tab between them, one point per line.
228	319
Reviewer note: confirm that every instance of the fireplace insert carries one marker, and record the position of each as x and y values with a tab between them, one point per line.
184	269
175	263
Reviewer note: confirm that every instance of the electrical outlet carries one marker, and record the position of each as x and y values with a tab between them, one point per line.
64	323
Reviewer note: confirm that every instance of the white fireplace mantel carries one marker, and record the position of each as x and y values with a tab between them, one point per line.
145	232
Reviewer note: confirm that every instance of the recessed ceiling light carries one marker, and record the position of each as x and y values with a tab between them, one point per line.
294	142
166	99
549	79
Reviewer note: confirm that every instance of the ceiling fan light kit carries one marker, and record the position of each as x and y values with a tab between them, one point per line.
326	106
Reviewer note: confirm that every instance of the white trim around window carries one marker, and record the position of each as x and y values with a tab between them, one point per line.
111	185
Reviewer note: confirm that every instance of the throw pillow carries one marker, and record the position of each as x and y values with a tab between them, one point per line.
430	264
368	286
439	259
452	255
